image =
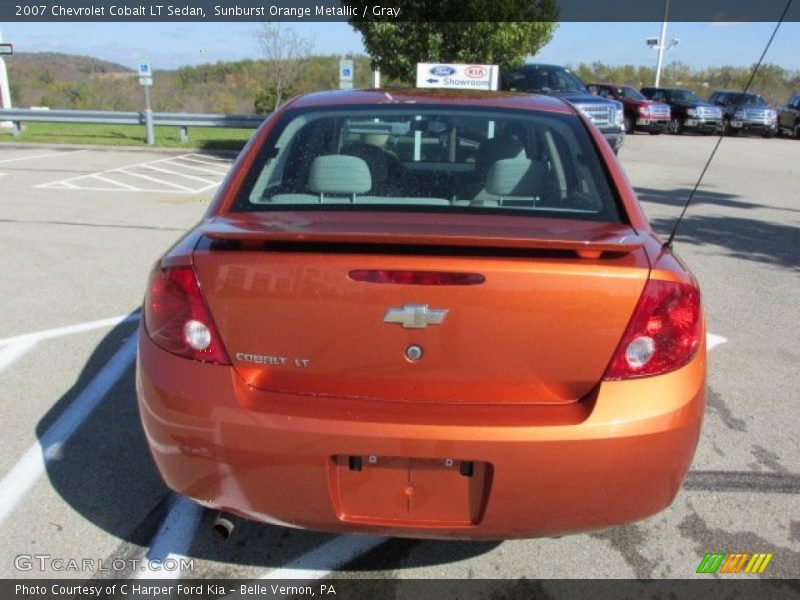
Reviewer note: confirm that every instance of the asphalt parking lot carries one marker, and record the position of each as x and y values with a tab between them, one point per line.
80	230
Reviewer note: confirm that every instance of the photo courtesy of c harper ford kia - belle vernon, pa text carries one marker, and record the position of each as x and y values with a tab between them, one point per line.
400	299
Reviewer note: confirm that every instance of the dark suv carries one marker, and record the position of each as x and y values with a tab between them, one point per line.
745	113
689	112
640	113
558	81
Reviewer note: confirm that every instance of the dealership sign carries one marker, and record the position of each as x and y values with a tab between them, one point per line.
457	76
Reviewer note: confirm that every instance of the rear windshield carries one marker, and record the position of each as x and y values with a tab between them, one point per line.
372	158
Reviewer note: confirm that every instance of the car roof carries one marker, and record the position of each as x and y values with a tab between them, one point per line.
431	97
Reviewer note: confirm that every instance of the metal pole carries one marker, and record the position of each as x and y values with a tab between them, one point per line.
148	118
5	91
376	78
662	43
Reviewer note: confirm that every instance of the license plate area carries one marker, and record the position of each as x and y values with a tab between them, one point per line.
399	490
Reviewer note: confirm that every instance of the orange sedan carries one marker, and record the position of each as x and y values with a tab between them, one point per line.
428	314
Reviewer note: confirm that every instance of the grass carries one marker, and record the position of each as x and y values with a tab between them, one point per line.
206	138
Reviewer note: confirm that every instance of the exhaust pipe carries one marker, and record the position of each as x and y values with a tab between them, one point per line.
221	528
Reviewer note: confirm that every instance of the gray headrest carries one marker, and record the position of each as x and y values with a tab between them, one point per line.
515	177
492	150
374	157
339	174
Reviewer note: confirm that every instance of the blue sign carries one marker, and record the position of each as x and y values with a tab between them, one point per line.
442	70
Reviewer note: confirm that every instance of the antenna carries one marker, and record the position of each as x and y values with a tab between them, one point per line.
668	243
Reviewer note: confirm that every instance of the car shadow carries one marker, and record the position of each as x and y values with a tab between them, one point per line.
677	197
771	242
104	472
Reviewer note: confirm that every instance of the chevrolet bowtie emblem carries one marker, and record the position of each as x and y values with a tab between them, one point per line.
415	316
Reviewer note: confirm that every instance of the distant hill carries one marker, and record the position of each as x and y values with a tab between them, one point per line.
81	82
66	67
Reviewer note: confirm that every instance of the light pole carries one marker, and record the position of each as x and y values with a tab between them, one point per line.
5	89
661	43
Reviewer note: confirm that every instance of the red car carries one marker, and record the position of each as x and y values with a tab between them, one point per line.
640	113
429	314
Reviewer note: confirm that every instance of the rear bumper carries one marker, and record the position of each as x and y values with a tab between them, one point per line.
235	449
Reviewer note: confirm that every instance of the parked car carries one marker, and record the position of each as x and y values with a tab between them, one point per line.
745	113
555	80
789	117
640	113
426	313
688	111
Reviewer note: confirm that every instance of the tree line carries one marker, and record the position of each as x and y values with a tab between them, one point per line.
69	82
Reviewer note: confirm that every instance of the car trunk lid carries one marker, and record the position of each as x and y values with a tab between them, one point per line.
304	304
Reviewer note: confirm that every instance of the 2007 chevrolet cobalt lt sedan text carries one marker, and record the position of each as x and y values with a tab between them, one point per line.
424	313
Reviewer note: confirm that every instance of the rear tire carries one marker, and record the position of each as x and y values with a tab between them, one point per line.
675	126
654	132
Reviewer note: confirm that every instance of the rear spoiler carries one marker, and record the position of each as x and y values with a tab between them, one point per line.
584	248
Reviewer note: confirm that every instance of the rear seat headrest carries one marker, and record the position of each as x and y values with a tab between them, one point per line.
515	177
339	174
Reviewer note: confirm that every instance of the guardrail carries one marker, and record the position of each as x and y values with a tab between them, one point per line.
17	116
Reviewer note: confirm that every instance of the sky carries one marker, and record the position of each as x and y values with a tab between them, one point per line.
170	45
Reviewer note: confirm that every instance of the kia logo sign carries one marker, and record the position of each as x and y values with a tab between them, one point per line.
442	70
476	72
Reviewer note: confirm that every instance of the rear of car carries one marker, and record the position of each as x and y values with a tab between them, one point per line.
424	314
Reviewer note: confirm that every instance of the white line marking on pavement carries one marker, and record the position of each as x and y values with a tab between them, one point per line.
173	538
119	183
713	340
319	562
23	475
69	330
93	180
154	179
194	177
13	352
9	160
182	163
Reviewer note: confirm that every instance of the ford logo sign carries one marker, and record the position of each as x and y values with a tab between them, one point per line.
442	70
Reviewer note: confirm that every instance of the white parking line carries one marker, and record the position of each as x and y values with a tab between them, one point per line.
195	177
69	330
180	162
116	177
713	340
24	474
330	556
173	538
156	180
10	160
13	352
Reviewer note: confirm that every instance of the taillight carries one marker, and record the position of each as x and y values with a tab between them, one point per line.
177	319
663	334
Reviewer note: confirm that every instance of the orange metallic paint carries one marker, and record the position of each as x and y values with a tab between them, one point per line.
276	449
